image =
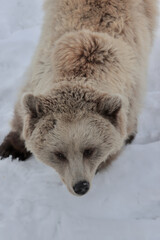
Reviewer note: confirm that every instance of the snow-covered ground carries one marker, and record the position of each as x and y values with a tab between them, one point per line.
124	202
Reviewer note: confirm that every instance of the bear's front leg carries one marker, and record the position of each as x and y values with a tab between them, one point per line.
130	138
13	146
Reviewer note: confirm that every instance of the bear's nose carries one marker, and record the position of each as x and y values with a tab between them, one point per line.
81	187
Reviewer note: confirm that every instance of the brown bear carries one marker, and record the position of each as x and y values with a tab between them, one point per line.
84	88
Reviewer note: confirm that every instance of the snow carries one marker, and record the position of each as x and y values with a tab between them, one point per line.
124	202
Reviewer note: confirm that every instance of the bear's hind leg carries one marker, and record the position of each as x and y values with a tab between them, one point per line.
13	146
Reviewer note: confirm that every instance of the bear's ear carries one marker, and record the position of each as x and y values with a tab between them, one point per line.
109	108
33	105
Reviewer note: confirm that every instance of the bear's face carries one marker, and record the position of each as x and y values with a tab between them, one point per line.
74	143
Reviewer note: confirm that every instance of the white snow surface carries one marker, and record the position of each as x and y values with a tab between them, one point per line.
124	202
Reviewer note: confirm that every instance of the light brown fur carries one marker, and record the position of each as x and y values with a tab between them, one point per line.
86	83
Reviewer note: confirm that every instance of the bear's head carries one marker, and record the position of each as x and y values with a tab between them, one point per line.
74	130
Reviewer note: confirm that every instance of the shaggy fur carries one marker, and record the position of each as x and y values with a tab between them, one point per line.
85	86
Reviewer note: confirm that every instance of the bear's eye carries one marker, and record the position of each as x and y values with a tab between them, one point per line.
60	156
88	152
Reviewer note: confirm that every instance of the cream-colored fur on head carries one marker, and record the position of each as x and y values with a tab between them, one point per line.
86	84
92	123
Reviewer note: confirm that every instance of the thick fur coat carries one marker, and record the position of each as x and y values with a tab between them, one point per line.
86	83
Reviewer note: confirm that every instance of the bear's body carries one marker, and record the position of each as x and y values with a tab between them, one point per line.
91	63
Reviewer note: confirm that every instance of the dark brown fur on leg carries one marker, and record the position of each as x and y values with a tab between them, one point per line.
130	139
14	146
